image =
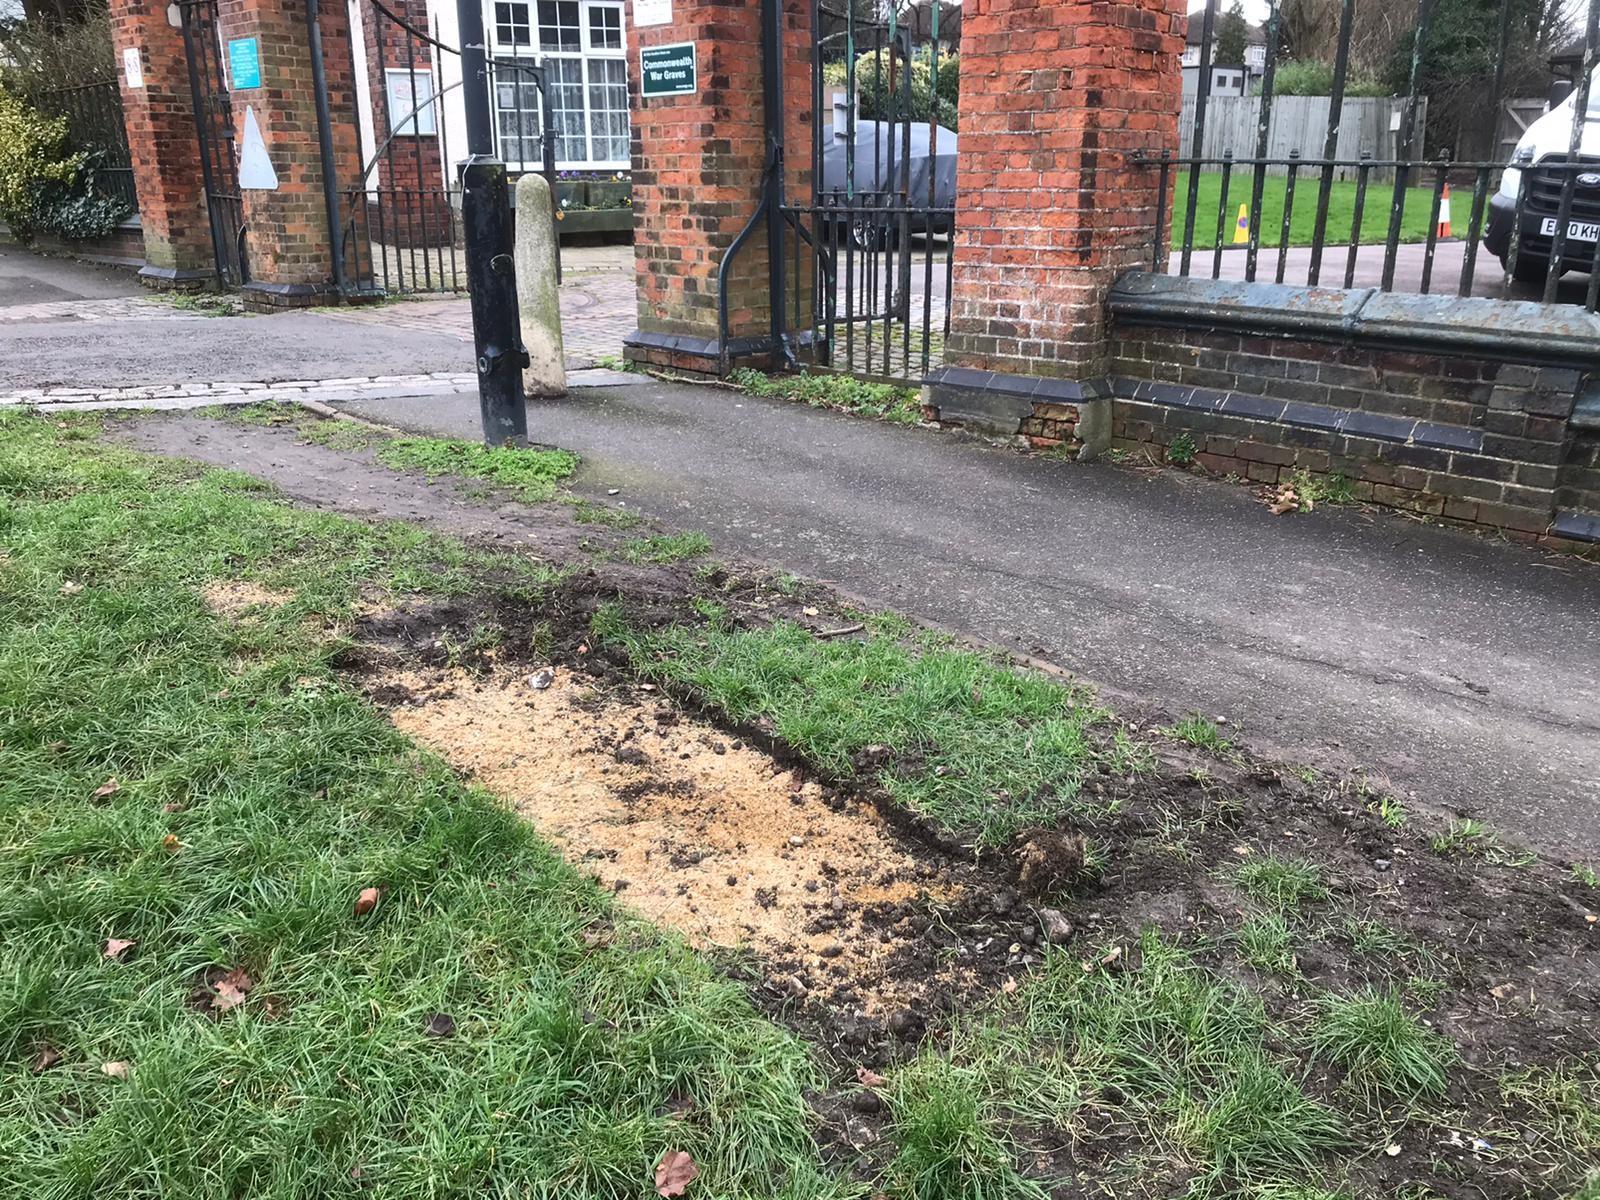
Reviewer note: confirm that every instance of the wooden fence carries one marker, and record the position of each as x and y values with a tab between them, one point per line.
1368	124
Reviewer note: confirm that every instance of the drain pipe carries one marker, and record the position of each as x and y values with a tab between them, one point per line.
770	206
330	181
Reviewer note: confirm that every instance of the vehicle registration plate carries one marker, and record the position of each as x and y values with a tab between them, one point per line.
1579	231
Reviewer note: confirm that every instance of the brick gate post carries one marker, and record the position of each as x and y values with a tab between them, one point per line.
158	112
697	167
1056	97
289	243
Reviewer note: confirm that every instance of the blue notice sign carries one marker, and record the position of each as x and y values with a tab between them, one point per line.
244	63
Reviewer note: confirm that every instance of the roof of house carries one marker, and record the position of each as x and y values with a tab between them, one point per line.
1254	36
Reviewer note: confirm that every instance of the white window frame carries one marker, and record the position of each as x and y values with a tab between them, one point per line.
585	54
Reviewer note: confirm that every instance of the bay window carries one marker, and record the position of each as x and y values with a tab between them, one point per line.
581	44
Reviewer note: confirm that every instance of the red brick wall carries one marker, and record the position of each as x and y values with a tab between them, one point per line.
288	239
697	163
161	137
1056	95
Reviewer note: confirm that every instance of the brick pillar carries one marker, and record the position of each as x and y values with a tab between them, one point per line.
1056	96
289	244
697	166
165	148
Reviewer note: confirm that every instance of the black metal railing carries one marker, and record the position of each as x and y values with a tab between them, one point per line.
867	267
1371	205
93	112
402	227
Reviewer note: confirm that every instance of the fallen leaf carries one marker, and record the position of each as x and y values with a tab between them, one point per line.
117	947
47	1057
173	806
675	1172
440	1025
227	997
117	1070
71	587
1288	501
109	788
809	611
171	844
1009	986
367	900
1392	1149
870	1079
239	978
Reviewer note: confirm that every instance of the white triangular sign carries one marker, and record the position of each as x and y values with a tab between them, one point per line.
255	168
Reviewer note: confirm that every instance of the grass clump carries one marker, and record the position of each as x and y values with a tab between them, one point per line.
1181	450
844	393
1202	733
1267	944
1283	883
1381	1045
1175	1044
1585	874
285	795
983	750
663	548
533	474
950	1142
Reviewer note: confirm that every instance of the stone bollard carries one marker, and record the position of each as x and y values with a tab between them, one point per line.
538	295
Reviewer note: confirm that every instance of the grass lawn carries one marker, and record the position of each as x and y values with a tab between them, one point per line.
1303	223
255	943
255	798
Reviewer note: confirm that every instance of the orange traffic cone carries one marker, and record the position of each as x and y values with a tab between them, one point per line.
1444	212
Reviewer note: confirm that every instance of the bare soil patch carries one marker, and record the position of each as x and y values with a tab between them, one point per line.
234	598
696	830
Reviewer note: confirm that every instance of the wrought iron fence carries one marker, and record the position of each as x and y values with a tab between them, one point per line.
93	113
1341	215
868	265
402	228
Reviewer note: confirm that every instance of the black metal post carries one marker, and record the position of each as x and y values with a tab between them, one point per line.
330	166
491	270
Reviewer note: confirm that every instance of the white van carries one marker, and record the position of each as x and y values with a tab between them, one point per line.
1547	141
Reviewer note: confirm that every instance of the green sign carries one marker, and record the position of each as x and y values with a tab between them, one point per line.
244	63
667	70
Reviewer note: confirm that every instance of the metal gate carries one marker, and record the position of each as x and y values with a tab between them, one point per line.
213	122
879	224
402	226
215	132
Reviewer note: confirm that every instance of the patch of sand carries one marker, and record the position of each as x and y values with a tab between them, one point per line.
233	597
691	829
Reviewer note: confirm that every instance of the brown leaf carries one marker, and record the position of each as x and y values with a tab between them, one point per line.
109	788
171	844
117	947
229	991
368	900
47	1057
869	1079
117	1070
173	806
1009	986
1288	501
675	1172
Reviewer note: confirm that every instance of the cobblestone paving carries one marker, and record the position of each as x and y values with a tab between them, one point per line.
199	395
597	312
118	308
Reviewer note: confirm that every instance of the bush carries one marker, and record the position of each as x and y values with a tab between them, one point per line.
872	83
1311	78
43	188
